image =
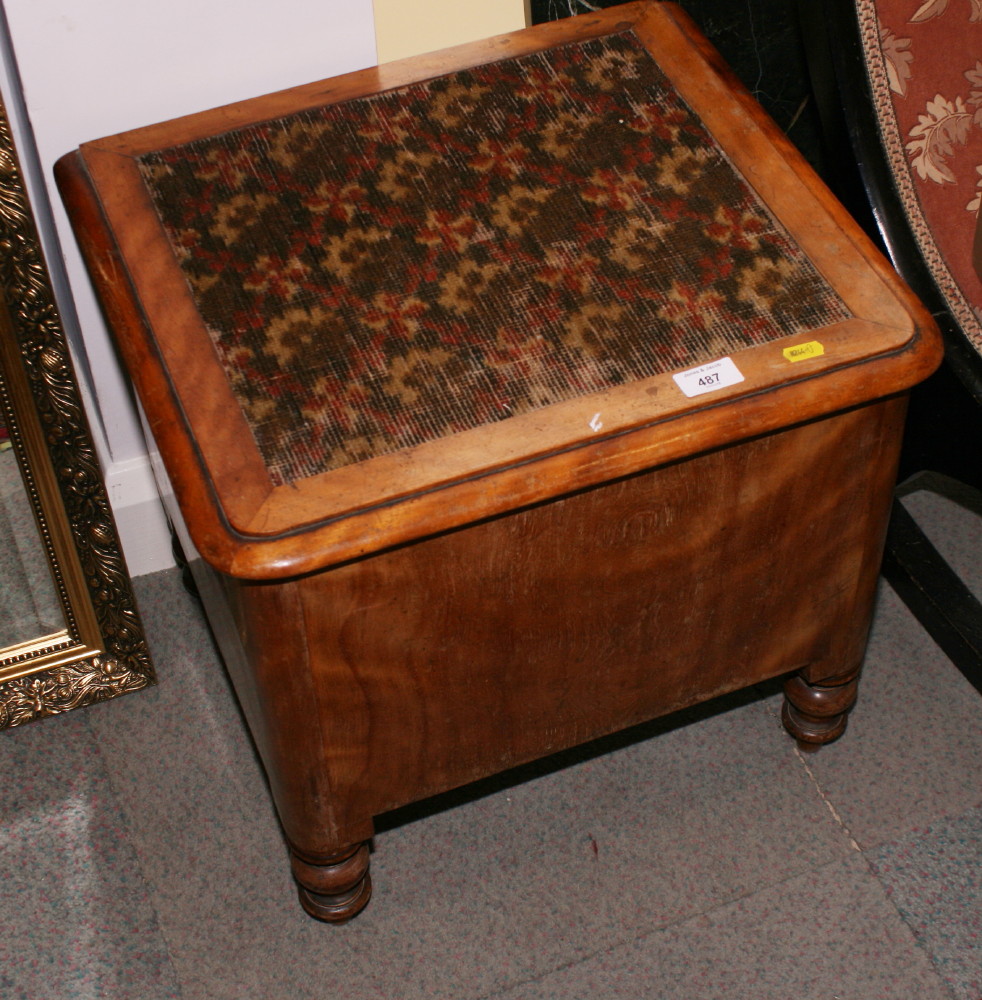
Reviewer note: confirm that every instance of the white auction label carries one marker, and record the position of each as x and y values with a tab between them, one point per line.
708	377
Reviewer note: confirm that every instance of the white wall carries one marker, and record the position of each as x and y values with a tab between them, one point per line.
90	68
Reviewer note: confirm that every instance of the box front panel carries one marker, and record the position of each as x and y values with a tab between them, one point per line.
457	657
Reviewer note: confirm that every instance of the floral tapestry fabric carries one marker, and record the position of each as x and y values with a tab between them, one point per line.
394	269
925	64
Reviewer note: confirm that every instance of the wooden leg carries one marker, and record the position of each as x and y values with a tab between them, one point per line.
816	714
334	888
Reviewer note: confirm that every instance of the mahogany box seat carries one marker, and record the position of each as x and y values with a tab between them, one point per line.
510	396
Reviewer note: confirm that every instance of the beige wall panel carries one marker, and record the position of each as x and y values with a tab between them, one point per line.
410	27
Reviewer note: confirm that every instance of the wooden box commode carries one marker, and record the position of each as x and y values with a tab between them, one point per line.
511	396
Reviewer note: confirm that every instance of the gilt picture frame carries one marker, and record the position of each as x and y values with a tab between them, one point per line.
98	648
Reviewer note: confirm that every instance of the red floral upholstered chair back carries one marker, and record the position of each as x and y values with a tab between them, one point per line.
899	86
924	58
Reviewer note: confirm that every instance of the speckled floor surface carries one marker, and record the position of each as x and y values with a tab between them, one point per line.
142	859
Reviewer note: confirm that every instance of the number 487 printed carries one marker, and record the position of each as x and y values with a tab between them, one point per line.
707	377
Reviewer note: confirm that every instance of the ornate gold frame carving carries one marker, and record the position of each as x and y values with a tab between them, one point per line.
101	652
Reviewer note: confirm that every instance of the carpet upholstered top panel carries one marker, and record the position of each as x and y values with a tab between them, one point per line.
397	268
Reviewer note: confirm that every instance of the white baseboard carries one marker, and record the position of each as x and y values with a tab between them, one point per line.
143	529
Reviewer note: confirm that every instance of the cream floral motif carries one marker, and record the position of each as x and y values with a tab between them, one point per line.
238	214
402	176
563	133
976	203
946	124
935	8
511	210
346	255
975	98
296	332
457	102
935	135
896	52
940	226
974	77
462	288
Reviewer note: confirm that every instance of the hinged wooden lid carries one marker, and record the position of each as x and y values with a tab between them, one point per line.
366	310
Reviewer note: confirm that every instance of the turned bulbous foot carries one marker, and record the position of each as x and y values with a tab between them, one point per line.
816	714
335	888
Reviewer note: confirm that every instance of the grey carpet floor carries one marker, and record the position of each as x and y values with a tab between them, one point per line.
701	857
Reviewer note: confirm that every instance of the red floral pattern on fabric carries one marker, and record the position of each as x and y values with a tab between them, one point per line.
925	61
397	268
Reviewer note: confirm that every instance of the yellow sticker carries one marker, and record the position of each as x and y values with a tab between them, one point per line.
799	352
